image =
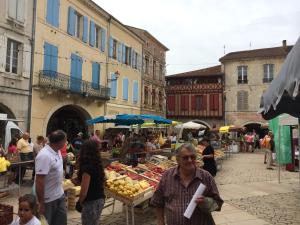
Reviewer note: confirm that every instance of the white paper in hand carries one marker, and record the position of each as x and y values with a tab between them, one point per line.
192	205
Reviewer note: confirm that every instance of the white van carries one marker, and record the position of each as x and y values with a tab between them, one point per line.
8	130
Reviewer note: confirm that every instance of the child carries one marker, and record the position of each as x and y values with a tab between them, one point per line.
27	211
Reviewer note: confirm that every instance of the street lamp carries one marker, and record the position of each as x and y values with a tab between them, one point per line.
117	74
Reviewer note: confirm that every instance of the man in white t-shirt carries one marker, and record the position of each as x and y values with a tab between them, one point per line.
49	177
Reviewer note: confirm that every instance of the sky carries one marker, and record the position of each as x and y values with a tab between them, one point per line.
196	31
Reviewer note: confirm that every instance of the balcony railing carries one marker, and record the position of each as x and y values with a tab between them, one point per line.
267	79
54	80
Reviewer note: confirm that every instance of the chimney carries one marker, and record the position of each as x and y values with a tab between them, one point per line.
284	44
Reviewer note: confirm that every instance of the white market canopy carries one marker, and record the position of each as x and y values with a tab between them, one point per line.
190	125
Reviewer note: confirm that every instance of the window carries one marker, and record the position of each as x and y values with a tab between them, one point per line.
78	25
146	96
135	59
147	65
113	86
16	10
12	56
127	55
113	48
184	102
171	102
268	73
214	102
242	100
199	103
98	36
125	89
52	15
154	69
242	74
153	97
161	75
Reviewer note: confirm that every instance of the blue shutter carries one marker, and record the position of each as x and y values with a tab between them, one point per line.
54	60
132	58
85	29
95	75
111	47
119	52
55	8
76	73
113	86
125	89
47	58
139	61
123	53
49	15
135	91
71	21
103	39
92	33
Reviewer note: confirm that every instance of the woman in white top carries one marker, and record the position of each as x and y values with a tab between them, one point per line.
27	214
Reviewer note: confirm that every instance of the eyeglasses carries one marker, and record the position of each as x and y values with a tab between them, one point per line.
187	157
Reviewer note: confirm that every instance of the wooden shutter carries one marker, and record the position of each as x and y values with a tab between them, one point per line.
71	21
135	91
47	57
92	33
85	29
119	51
242	100
103	39
211	102
111	47
95	75
123	53
125	89
171	103
194	99
113	86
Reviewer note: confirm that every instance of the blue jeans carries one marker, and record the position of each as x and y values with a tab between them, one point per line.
56	212
91	212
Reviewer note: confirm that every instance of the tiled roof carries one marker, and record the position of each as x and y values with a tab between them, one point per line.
257	53
215	70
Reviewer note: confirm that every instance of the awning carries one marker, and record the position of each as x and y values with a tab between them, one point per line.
282	96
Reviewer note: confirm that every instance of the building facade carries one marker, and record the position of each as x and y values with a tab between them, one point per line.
16	24
86	64
247	75
196	95
153	76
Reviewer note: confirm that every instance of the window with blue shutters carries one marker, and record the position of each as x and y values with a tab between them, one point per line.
125	89
135	96
50	59
52	14
111	47
113	86
71	21
95	75
123	53
119	51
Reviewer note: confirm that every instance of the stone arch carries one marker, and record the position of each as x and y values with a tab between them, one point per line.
202	122
77	112
6	110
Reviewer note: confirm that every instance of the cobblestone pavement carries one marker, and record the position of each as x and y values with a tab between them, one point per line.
277	209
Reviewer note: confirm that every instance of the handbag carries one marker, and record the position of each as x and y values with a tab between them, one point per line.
78	206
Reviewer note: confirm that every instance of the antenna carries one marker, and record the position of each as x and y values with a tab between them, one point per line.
224	49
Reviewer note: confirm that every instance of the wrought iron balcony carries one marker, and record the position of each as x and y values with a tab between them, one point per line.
54	80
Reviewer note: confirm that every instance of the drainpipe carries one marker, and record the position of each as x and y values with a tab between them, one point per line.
107	66
142	81
31	65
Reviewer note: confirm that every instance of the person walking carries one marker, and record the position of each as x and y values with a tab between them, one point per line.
265	144
270	150
49	177
91	175
209	157
177	187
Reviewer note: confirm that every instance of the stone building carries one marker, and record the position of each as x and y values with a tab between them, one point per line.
87	64
247	75
153	74
196	95
16	24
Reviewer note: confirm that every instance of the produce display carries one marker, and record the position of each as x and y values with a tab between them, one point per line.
130	185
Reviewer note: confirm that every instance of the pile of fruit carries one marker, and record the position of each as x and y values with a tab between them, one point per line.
129	185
